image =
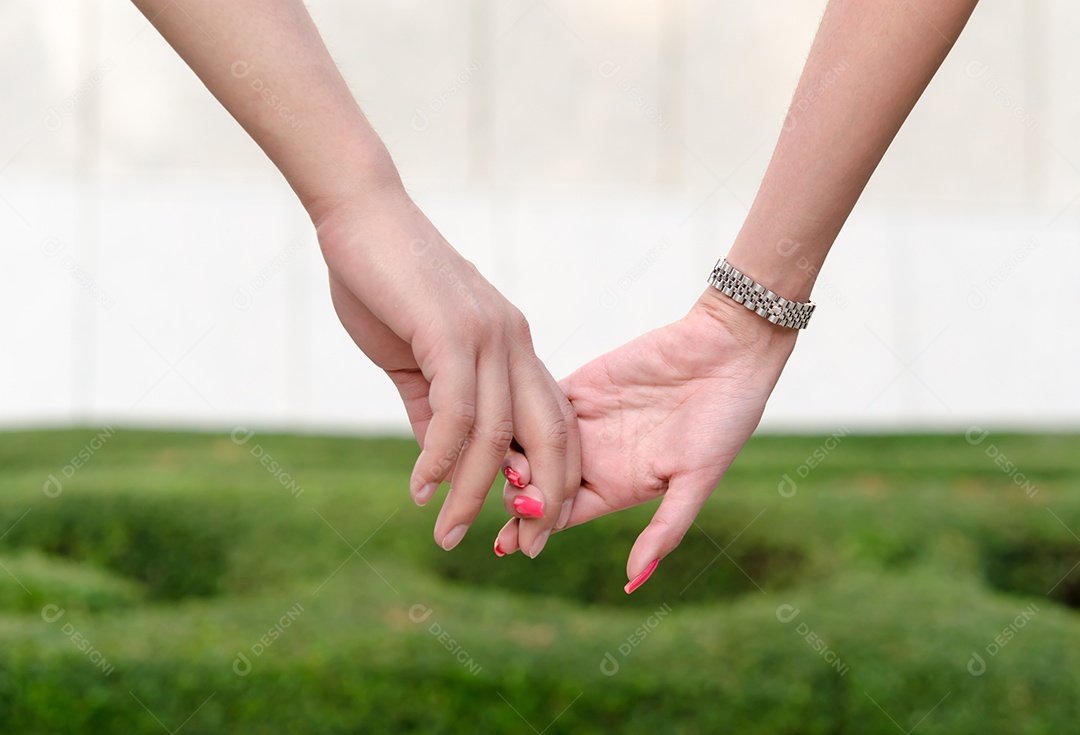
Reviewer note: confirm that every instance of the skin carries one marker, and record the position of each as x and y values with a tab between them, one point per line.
470	384
666	414
458	352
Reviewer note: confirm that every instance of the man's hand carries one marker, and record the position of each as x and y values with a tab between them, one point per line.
461	356
459	353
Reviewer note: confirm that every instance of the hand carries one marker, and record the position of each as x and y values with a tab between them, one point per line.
460	355
665	415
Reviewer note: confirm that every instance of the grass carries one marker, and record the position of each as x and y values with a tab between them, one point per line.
181	580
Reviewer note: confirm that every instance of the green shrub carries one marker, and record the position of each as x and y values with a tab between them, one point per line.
34	579
904	584
172	547
586	561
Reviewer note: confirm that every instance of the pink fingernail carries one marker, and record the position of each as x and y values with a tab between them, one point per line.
424	494
529	507
564	516
453	538
498	549
514	477
538	544
639	580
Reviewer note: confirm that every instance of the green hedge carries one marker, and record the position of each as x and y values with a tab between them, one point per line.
907	582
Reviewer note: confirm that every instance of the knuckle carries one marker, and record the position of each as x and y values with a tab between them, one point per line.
475	323
519	325
556	435
432	469
462	414
671	529
568	413
500	434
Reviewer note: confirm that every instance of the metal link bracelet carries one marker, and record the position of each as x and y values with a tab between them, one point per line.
758	299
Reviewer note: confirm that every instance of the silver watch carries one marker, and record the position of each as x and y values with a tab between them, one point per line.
757	298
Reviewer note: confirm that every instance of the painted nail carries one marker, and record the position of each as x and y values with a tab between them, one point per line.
529	507
453	538
639	580
498	549
423	495
538	544
564	515
514	477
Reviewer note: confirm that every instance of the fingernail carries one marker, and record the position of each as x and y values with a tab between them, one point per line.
564	515
453	538
514	477
529	507
639	580
424	494
538	544
498	549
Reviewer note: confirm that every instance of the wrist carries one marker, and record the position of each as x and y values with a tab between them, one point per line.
358	177
746	327
786	260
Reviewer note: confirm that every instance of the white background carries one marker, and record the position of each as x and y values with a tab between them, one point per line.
156	270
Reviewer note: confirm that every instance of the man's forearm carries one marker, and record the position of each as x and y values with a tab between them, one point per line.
266	63
869	64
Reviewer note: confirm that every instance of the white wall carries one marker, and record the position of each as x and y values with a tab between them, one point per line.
157	270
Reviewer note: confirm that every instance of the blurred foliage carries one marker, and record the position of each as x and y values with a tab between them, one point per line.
180	580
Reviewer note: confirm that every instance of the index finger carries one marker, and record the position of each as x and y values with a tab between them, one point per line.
546	428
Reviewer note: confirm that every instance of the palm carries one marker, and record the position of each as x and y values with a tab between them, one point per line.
666	414
670	409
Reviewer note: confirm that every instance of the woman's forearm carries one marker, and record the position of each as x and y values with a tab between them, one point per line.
266	63
870	62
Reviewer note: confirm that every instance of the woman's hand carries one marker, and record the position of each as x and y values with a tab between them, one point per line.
665	415
460	355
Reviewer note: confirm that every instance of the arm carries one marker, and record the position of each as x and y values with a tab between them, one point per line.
666	414
868	66
458	352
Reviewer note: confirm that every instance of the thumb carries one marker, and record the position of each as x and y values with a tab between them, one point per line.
678	509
